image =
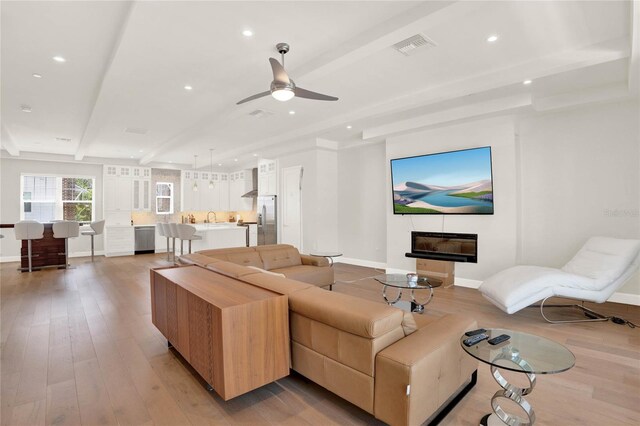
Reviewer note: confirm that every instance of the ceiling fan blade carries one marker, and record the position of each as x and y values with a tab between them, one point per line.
257	96
303	93
279	74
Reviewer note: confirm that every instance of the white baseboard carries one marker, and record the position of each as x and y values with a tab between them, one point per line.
466	282
7	259
626	298
360	262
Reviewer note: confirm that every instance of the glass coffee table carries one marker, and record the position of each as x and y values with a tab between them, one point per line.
405	282
522	353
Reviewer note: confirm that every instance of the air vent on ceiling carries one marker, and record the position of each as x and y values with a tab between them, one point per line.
413	44
136	130
260	113
63	139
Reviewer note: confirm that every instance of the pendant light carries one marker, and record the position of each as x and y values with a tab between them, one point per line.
211	184
195	181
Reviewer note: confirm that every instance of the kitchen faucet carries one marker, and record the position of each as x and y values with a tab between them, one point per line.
215	219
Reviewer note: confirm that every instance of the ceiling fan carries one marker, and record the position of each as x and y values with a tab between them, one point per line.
282	87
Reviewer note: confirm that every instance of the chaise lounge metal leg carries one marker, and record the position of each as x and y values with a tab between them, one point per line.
593	315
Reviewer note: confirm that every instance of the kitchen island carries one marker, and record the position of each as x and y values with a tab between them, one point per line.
219	235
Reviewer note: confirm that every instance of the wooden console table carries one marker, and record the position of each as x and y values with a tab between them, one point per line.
234	334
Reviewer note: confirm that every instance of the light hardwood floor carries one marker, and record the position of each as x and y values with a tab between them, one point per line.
78	347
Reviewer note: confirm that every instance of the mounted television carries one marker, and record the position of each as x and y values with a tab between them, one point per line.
455	182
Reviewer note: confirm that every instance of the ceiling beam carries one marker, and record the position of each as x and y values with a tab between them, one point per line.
7	142
93	125
379	37
478	109
580	97
553	64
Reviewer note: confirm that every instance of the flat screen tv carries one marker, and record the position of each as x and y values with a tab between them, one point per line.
455	182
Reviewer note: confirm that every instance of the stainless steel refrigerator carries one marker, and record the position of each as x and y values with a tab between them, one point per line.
267	220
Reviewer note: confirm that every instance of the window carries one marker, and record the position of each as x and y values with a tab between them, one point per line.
164	198
47	198
77	199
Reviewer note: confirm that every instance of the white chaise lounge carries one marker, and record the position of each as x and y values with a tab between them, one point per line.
600	267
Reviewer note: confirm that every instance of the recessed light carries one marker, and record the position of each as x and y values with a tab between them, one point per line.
492	38
219	164
348	127
292	112
247	33
142	150
25	108
235	159
170	161
36	75
255	155
526	82
187	87
63	139
59	59
131	156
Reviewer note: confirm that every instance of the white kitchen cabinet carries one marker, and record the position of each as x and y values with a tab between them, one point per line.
224	192
141	194
118	193
240	183
119	240
267	177
253	234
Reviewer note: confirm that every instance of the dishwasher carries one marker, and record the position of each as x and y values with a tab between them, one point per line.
145	237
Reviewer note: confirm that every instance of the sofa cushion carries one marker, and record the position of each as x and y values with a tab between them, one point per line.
224	251
231	269
320	276
408	323
249	258
277	284
279	257
264	271
348	313
314	260
196	259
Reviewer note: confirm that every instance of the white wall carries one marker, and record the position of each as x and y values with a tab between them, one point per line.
319	197
580	178
10	170
362	203
497	233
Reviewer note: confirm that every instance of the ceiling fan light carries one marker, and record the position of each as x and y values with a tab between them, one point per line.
283	95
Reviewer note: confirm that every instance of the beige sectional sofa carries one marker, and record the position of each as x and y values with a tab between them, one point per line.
402	368
277	258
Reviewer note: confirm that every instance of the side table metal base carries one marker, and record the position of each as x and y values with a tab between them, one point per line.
513	393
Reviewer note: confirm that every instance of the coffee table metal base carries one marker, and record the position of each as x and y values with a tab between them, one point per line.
416	306
514	393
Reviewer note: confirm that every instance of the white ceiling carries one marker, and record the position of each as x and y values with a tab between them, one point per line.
127	65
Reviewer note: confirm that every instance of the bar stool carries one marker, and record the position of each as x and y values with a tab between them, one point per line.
186	232
164	231
173	234
29	230
97	228
66	229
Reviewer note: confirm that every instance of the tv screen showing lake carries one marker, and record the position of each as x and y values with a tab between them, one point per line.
456	182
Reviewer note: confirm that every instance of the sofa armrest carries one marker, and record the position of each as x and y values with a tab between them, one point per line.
314	260
418	374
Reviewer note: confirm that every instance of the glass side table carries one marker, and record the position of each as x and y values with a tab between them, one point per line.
522	353
404	282
329	255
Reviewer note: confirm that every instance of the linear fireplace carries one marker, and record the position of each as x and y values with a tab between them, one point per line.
444	246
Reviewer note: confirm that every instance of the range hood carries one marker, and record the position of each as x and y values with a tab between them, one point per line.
254	184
